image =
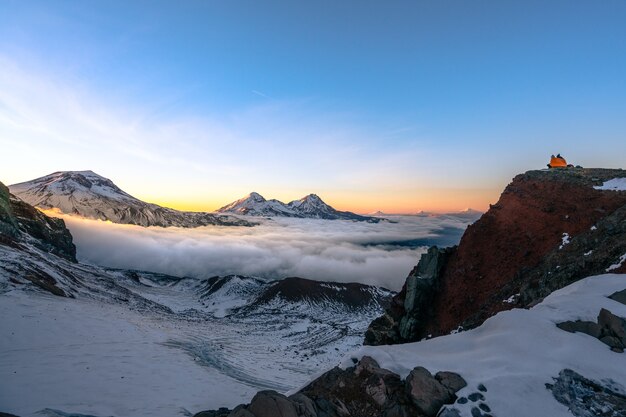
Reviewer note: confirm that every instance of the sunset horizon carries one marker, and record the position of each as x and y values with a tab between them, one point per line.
356	208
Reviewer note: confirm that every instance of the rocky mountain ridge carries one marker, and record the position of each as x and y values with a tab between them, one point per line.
87	194
309	207
548	229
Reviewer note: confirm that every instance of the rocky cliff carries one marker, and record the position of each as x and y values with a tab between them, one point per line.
548	229
21	223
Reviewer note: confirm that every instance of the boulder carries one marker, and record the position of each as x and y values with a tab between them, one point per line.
452	381
428	394
272	404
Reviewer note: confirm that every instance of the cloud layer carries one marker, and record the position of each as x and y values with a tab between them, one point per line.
379	254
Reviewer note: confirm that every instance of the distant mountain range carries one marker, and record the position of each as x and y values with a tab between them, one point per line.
310	207
87	194
90	195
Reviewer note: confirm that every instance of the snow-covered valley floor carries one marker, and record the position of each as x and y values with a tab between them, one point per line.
86	357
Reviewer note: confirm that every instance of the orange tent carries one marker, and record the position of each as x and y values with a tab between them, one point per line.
557	162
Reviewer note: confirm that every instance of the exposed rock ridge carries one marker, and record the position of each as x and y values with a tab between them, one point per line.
364	390
548	229
21	223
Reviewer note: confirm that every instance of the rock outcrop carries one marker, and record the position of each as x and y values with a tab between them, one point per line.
586	398
20	223
548	229
610	329
364	390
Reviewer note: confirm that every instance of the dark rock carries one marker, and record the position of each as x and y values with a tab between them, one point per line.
587	327
272	404
305	407
476	412
484	407
452	381
610	329
613	326
222	412
584	397
449	412
462	400
20	221
482	388
241	411
475	396
411	309
619	296
428	394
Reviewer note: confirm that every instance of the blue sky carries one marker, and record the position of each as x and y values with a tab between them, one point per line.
399	106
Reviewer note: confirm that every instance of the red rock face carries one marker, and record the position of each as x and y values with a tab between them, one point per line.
514	235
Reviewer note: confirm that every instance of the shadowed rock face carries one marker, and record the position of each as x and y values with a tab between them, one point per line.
610	329
21	223
517	251
352	295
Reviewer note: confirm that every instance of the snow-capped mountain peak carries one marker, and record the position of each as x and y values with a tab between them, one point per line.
87	194
254	204
310	206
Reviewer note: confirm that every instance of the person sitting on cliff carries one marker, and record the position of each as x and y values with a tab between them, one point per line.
557	162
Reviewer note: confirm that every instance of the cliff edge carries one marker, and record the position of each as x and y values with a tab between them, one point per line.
548	229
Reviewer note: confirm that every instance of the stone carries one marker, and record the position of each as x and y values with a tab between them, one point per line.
612	325
584	397
484	407
271	404
222	412
428	394
449	412
482	388
453	381
476	412
305	407
611	341
619	296
476	396
240	411
587	327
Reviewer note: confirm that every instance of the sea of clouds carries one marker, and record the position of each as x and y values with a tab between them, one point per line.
370	253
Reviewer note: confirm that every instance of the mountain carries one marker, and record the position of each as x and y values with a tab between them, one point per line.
310	207
254	204
87	194
548	229
87	337
526	316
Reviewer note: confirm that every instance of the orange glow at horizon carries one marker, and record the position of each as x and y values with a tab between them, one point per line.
392	202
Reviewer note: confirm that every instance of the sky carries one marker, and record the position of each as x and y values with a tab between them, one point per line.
396	106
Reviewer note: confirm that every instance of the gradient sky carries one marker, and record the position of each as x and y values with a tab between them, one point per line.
397	106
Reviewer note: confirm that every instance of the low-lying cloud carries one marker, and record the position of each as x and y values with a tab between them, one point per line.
378	254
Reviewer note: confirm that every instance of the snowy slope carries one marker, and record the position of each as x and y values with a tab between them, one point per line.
310	206
144	344
516	353
87	194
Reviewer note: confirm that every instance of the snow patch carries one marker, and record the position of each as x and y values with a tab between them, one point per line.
616	184
564	240
618	264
